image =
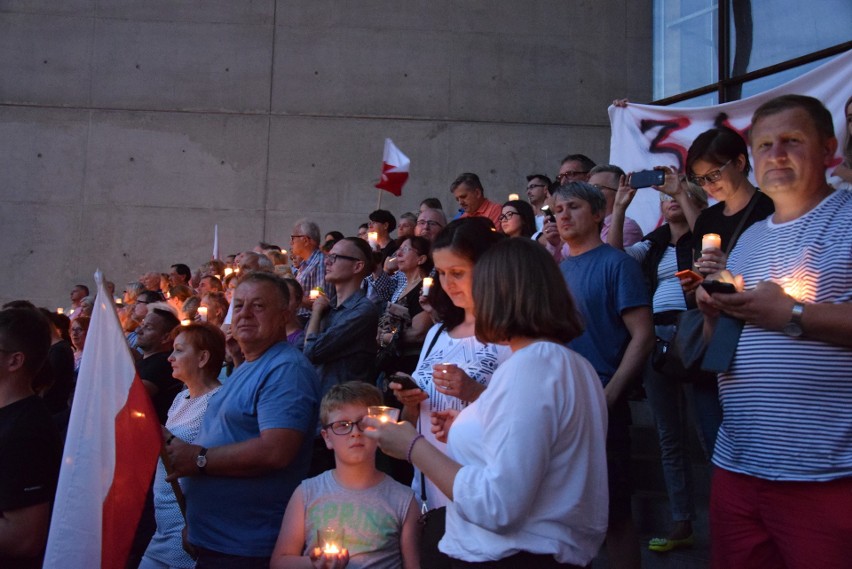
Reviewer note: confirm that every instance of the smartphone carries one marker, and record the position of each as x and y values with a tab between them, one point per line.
405	381
545	209
688	274
718	286
647	178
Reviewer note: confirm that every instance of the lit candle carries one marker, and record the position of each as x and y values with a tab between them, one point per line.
60	310
284	251
383	414
185	322
514	197
237	271
118	301
373	239
427	285
228	271
711	240
331	549
202	312
315	294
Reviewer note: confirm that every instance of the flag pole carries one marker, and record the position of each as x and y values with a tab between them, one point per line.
379	203
167	463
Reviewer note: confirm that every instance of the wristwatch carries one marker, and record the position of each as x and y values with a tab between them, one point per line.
793	328
201	460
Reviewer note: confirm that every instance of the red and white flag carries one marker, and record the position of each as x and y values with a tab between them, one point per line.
394	169
111	450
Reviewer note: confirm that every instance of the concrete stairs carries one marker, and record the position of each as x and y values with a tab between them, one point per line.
650	502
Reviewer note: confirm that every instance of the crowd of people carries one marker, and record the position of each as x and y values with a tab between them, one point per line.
457	395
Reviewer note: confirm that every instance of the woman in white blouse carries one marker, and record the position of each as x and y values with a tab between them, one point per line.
526	467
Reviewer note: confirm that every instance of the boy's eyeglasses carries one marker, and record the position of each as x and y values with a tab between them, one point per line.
343	427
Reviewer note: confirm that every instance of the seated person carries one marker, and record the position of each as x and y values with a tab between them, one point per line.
378	516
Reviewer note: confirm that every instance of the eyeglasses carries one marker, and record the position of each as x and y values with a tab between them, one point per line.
710	177
531	186
294	237
428	223
507	216
601	187
343	427
406	250
570	174
666	197
332	258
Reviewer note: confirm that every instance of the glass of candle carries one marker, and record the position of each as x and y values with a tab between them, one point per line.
330	540
202	312
514	197
427	286
383	414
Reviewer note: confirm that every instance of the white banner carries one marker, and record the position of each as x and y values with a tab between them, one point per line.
644	136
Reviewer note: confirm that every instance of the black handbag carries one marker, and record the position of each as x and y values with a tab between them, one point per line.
688	356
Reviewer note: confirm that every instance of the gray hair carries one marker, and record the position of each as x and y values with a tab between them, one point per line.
582	191
309	229
607	168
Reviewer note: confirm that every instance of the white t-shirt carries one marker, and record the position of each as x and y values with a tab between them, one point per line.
477	360
533	455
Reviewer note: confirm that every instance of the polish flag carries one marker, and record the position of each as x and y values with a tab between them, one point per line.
394	169
113	442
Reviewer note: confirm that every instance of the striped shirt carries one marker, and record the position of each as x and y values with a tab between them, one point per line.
668	294
787	401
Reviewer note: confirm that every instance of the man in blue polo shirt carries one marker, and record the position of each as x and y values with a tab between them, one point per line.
254	446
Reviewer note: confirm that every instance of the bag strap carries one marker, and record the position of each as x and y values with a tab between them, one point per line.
736	234
424	508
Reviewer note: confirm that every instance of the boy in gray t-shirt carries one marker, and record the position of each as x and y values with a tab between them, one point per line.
372	517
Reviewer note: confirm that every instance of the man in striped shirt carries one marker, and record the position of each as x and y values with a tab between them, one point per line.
782	487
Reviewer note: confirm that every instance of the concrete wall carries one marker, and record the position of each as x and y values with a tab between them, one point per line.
128	129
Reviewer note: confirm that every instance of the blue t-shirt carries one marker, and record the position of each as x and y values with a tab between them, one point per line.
604	283
242	516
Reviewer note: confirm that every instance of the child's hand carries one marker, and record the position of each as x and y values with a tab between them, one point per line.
441	423
322	560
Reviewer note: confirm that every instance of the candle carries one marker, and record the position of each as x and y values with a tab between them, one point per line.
383	414
427	285
330	540
315	294
514	197
60	310
202	312
237	271
711	240
228	271
185	322
373	239
118	301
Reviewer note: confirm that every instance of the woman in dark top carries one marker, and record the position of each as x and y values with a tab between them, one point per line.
718	162
404	321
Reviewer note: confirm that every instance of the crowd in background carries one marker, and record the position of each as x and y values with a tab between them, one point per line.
510	340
